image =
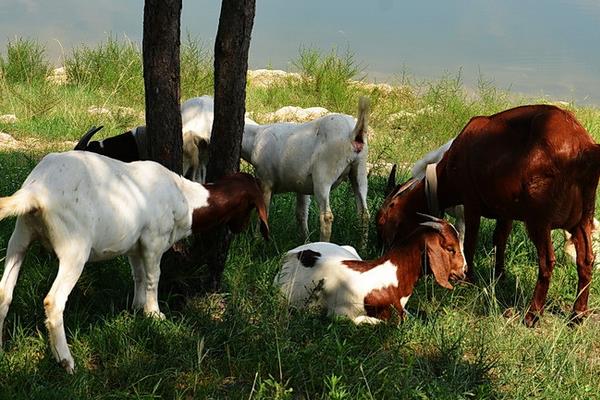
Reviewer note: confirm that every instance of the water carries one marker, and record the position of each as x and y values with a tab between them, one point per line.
538	48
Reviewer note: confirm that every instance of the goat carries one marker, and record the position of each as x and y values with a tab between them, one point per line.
312	158
87	207
532	163
197	119
336	278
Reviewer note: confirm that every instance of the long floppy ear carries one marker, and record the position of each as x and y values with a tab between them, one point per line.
83	142
391	182
438	266
259	202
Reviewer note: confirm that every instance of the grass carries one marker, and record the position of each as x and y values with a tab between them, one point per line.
243	342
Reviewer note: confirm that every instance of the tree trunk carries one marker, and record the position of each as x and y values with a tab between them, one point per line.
161	82
231	66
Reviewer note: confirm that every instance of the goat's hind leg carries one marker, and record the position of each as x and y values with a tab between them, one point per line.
585	260
302	205
325	216
15	253
546	259
71	264
501	234
139	282
358	180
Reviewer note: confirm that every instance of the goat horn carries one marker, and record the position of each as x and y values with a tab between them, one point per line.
435	225
430	217
83	142
406	186
391	182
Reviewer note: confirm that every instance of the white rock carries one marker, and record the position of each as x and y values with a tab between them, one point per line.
269	77
58	76
8	118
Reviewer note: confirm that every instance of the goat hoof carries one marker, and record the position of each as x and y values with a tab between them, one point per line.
577	318
530	319
68	365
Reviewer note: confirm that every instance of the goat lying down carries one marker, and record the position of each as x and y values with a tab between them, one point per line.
533	163
87	207
336	278
312	158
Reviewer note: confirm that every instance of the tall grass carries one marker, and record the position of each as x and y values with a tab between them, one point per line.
25	62
244	342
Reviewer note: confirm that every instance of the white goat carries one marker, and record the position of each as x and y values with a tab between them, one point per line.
312	158
197	116
418	172
88	207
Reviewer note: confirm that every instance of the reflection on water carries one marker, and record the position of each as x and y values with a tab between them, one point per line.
529	46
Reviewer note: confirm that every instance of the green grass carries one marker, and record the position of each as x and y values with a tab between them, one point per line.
244	342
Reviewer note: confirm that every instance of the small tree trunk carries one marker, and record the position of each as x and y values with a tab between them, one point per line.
231	66
161	44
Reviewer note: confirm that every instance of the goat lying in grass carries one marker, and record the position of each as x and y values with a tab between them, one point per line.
87	207
336	278
312	158
532	163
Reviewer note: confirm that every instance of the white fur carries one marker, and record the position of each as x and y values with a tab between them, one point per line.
197	116
310	158
88	207
570	246
342	290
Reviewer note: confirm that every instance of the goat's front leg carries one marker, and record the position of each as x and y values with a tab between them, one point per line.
139	282
546	259
152	275
585	259
325	216
15	253
472	220
302	205
364	319
358	180
69	270
501	234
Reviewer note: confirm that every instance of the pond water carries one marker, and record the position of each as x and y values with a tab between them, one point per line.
538	48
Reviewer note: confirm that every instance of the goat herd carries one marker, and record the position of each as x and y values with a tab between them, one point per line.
533	163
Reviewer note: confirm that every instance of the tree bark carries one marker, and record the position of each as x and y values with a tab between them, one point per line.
161	44
231	66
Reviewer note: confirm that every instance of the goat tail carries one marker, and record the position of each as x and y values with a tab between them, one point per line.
360	129
22	202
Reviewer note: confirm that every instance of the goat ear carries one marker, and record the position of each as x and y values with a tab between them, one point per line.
259	202
83	142
438	266
391	182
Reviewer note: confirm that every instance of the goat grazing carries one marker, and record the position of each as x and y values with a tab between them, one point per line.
532	163
312	158
336	278
87	207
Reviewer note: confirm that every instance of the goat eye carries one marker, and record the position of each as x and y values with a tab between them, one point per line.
451	250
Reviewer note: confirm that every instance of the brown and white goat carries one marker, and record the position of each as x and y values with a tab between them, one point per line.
336	278
87	207
534	163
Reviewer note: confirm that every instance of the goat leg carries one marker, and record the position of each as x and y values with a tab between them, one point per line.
546	259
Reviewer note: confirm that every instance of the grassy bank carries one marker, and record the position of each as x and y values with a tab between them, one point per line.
243	342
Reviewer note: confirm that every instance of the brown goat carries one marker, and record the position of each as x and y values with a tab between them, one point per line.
534	163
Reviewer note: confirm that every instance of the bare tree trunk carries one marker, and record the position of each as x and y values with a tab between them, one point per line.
231	66
161	82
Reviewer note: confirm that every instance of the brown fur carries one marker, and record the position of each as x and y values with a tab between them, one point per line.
230	202
444	259
532	163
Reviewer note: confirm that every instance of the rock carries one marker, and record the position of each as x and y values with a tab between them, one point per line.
295	114
8	118
94	110
7	141
58	76
264	78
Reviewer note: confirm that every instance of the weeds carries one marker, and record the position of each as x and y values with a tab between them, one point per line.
244	342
